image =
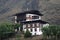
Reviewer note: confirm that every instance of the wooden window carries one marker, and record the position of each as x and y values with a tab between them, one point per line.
28	25
35	29
37	24
30	17
33	25
35	17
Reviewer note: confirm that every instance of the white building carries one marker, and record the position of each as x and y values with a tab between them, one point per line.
31	20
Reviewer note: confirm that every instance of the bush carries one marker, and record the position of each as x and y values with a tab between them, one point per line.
27	34
51	31
17	26
6	29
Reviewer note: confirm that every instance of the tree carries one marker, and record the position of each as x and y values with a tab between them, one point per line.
51	31
27	34
17	26
6	29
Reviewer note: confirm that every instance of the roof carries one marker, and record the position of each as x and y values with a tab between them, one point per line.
34	21
30	12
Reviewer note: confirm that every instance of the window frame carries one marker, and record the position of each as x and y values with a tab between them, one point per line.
33	25
35	29
37	24
29	25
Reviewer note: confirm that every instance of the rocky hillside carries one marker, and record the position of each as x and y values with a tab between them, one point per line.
50	9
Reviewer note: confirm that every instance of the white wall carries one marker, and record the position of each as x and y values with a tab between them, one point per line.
33	32
15	19
44	25
24	26
39	17
38	32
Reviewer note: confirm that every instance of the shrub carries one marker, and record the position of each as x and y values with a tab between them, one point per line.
17	26
27	34
6	29
51	31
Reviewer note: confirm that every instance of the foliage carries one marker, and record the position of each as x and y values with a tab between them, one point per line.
27	34
18	37
53	31
21	28
17	26
6	29
46	31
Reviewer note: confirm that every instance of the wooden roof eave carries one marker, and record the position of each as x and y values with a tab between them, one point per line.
29	12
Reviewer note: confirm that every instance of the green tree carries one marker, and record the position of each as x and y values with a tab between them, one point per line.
6	29
51	31
17	26
27	34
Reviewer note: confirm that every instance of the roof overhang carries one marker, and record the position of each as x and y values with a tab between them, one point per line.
29	12
35	21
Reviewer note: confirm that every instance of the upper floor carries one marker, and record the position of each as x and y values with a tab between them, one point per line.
28	16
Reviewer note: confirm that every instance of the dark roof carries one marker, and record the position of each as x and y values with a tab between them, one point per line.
30	12
35	21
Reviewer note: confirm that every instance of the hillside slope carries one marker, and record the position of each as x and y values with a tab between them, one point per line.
51	11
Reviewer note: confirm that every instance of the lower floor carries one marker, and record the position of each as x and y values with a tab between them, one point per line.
34	31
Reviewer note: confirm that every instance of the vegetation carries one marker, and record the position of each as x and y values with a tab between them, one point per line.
27	34
6	30
51	32
18	36
16	26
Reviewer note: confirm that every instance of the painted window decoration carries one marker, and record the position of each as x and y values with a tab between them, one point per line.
28	25
30	17
33	25
37	24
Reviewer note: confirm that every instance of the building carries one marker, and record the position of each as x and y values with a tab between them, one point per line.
31	20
